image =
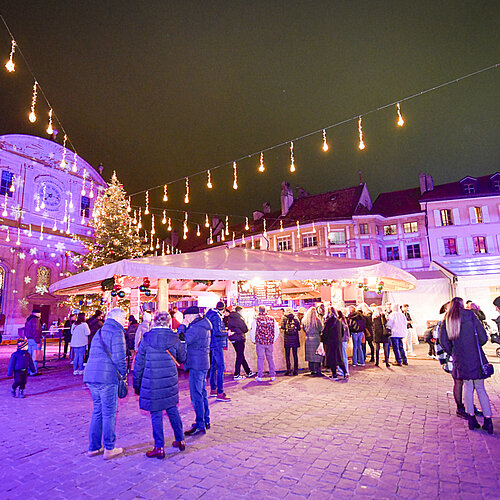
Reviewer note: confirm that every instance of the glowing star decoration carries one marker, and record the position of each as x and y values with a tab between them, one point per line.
186	195
60	246
292	158
235	175
50	130
164	220
63	159
165	193
209	180
74	168
9	65
22	256
32	115
146	210
27	280
400	122
281	226
169	227
261	164
207	223
247	227
325	144
198	233
361	144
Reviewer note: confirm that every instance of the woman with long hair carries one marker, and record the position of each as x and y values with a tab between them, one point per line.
312	326
462	336
332	341
345	340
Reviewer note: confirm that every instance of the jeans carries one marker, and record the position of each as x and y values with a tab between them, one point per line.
157	422
267	351
102	425
484	400
79	353
385	346
239	347
357	352
399	352
32	347
432	347
344	357
217	368
198	391
295	359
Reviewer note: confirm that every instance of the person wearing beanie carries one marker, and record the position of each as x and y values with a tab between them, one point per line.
33	332
19	364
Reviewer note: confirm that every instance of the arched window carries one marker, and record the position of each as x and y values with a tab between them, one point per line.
42	280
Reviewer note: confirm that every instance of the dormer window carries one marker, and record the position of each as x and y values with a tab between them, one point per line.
469	188
496	185
469	185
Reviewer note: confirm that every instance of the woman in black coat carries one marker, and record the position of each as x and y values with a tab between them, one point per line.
332	342
290	326
380	335
462	336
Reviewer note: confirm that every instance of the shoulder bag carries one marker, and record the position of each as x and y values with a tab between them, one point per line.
122	381
486	368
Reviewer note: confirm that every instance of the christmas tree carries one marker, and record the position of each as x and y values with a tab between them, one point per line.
115	235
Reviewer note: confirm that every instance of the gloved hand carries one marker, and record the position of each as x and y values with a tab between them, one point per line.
137	390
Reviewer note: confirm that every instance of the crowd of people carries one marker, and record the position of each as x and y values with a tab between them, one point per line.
157	347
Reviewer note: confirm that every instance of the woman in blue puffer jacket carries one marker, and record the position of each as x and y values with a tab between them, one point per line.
156	380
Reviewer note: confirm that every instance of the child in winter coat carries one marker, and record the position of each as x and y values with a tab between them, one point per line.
19	364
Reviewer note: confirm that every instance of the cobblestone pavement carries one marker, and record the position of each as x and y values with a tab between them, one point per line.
388	432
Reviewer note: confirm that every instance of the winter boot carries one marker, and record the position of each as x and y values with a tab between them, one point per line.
461	413
13	392
488	425
473	423
21	393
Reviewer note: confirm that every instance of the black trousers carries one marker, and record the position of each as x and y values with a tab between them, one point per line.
239	347
432	347
385	346
20	378
66	344
295	359
372	348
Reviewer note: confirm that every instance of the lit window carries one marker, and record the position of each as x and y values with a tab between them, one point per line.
85	206
284	243
309	240
480	244
450	246
392	253
363	229
366	252
478	212
342	255
390	229
337	237
413	251
410	227
469	188
446	217
7	178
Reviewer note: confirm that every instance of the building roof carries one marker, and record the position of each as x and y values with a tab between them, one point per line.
397	203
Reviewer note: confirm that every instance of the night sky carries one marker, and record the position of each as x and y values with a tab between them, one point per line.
159	90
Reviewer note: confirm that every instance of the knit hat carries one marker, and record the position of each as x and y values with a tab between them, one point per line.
21	343
220	306
36	311
496	302
192	310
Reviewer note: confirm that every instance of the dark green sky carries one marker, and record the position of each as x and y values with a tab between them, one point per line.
161	89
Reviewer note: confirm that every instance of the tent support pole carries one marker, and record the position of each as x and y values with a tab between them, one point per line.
162	300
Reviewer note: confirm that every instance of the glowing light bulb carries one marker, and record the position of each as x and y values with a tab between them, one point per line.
153	230
211	240
54	227
146	210
165	193
8	235
222	236
235	175
209	180
292	158
157	244
243	239
298	229
325	144
164	220
91	195
68	226
207	223
169	227
63	159
29	231
234	242
361	145
18	241
162	248
9	65
261	164
73	168
281	226
247	227
186	195
198	232
32	115
70	205
50	130
401	122
265	229
227	225
11	189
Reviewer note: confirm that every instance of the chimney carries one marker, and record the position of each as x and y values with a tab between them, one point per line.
266	207
258	215
286	198
423	183
302	193
429	182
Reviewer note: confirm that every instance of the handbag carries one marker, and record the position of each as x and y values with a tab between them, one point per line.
486	368
122	381
320	351
38	355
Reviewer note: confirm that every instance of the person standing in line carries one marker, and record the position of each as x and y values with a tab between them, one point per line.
196	332
366	312
313	327
95	322
380	334
67	332
331	337
290	327
130	340
345	341
301	314
462	335
397	325
264	332
143	327
33	332
409	330
237	325
357	326
218	341
80	332
19	364
156	380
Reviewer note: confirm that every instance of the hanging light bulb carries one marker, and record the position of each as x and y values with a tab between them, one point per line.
54	227
207	223
70	205
253	243
281	226
12	188
265	229
7	238
235	175
211	240
29	231
146	210
401	122
165	193
82	220
83	183
234	242
247	227
162	248
153	230
50	130
44	194
243	239
169	227
32	115
63	159
209	180
139	224
73	168
325	144
91	195
186	195
151	247
227	225
222	235
68	226
198	232
361	145
164	220
41	232
18	241
261	165
292	158
298	229
9	65
168	249
65	211
134	220
157	244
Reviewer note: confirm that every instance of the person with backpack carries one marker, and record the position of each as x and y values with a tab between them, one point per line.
19	364
357	325
290	327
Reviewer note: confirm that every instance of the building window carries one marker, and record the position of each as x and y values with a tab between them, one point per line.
42	280
478	213
496	185
413	251
390	229
410	227
366	252
309	240
5	185
341	255
392	253
85	207
284	243
450	246
336	237
480	244
469	188
363	229
446	217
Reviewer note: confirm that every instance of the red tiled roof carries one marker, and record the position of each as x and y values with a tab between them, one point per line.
397	203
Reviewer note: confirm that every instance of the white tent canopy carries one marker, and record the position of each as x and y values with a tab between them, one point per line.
223	263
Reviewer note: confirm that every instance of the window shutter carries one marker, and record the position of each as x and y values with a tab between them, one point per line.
460	246
437	217
470	245
472	213
456	217
486	214
441	247
490	244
